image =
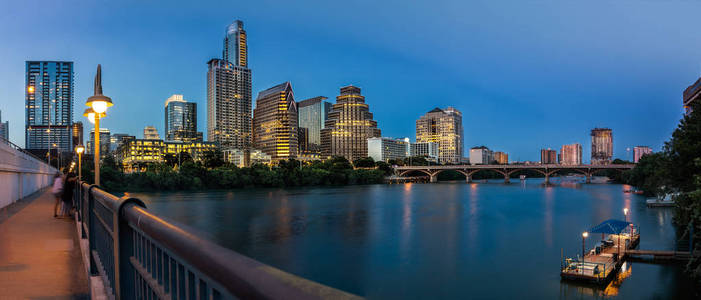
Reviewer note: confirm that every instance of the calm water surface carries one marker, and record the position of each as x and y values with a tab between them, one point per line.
427	241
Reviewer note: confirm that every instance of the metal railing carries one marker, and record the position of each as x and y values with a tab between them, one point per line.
140	255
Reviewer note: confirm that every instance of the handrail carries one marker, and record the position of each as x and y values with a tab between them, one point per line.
20	149
141	255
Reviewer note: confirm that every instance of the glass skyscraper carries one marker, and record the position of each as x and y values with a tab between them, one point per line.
229	93
313	113
181	120
49	105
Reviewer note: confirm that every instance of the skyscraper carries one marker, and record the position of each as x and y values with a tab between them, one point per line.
442	126
275	125
49	105
571	154
150	133
235	46
313	112
4	129
104	142
181	120
348	127
640	151
601	146
77	133
548	156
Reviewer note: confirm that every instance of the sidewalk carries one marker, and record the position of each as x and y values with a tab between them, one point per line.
40	255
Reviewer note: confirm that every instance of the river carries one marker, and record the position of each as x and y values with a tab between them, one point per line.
428	241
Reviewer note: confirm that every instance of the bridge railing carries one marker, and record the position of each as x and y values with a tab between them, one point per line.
140	255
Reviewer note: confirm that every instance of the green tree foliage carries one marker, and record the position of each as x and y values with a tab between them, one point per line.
364	162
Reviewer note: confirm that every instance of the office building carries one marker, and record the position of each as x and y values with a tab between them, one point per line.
501	158
692	94
313	113
238	157
349	126
639	151
104	142
548	156
4	129
116	139
601	146
428	150
384	148
135	154
444	127
49	105
571	154
275	126
303	139
150	133
181	120
77	133
481	156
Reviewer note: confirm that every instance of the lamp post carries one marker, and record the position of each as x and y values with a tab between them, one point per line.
80	149
584	238
98	104
625	214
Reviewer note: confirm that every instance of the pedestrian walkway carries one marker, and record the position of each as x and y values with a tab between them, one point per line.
40	256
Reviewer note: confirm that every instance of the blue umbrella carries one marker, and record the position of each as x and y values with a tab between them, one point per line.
610	226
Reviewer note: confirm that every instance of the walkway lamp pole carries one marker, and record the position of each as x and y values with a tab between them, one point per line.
98	103
584	238
80	149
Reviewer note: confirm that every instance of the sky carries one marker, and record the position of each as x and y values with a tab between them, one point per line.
525	74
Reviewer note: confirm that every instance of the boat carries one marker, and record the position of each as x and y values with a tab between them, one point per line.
665	201
522	177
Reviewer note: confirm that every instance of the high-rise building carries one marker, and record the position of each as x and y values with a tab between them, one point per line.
601	146
228	105
104	142
116	140
77	133
181	120
501	158
348	127
639	151
235	46
49	105
444	127
4	129
384	148
313	112
692	94
150	133
481	155
303	139
428	150
548	156
571	154
275	122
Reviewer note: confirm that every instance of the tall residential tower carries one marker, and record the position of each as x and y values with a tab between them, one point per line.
601	146
49	105
442	126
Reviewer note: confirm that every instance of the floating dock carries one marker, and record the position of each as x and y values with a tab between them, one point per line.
600	264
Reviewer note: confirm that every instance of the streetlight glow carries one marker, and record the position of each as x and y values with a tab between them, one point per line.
625	211
585	234
99	106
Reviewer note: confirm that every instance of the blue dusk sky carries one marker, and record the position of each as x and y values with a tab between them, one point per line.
525	74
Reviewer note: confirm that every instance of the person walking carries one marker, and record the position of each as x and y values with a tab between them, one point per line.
57	190
67	195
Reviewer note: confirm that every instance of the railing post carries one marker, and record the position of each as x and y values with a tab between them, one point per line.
91	230
124	249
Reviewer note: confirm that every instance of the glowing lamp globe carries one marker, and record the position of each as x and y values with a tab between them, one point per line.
80	149
90	113
99	103
585	234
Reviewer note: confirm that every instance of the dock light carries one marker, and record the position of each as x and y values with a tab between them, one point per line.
584	237
625	213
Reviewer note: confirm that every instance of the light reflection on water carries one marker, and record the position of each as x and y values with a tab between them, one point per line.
443	240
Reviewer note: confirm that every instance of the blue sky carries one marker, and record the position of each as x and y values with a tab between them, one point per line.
525	74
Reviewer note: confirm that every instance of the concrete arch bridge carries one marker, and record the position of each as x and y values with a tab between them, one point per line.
507	170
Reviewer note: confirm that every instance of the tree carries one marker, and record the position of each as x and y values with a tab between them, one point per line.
384	167
364	162
213	159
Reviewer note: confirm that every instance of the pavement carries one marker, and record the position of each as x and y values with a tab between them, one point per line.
40	255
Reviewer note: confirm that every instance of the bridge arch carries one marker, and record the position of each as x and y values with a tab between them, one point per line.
406	172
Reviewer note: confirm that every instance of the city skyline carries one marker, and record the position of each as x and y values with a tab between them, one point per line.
478	105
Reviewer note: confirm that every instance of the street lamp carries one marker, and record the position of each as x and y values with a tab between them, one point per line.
584	237
80	149
98	104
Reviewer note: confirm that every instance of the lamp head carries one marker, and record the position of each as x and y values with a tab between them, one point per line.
79	149
99	103
585	234
90	113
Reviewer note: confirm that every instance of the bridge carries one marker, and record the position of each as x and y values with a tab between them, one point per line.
507	170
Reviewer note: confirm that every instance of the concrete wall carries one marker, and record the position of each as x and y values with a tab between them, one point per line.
21	175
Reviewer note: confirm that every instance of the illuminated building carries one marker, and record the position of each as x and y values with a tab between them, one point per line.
104	142
639	151
692	94
384	148
348	127
238	157
501	158
428	150
235	46
181	120
77	133
303	139
313	113
150	133
275	122
228	104
49	105
116	139
135	154
481	155
571	154
601	146
444	127
548	156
